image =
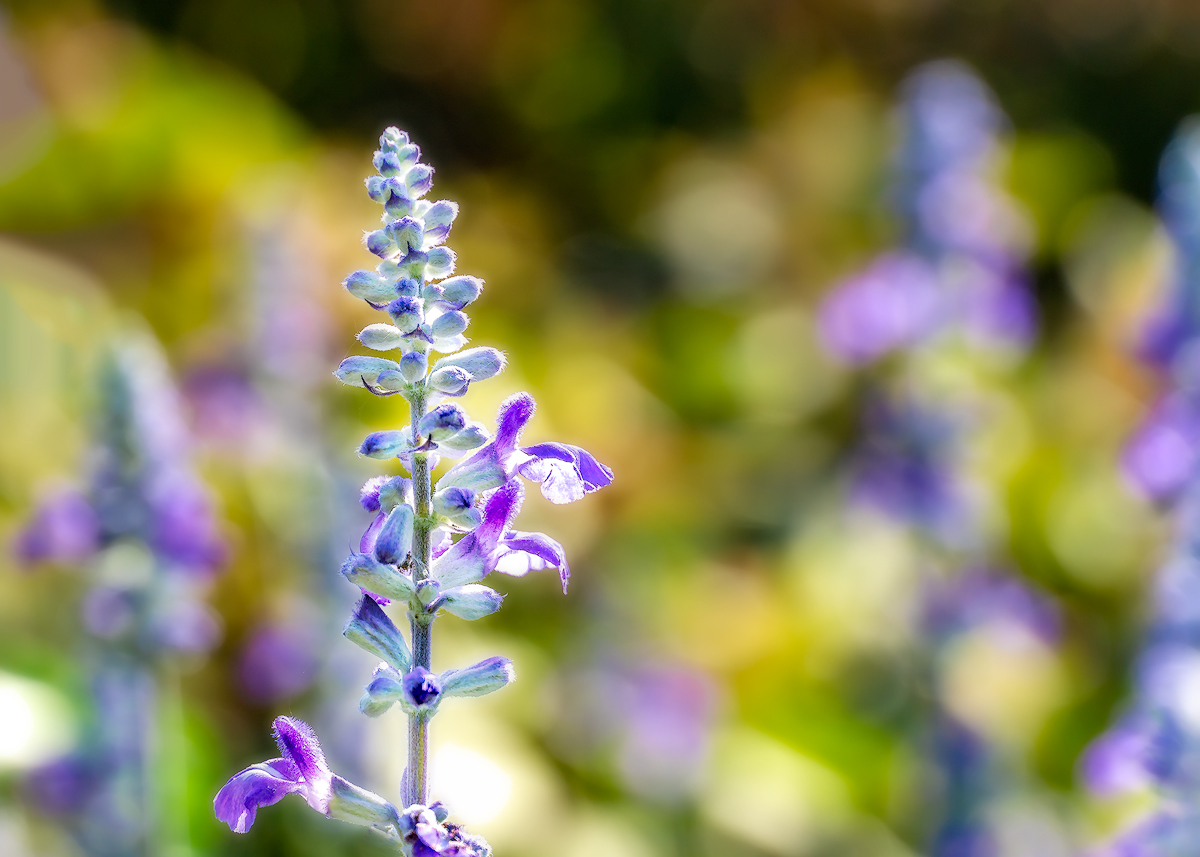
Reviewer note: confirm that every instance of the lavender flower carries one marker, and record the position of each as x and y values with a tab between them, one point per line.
1156	740
960	270
145	529
428	547
954	290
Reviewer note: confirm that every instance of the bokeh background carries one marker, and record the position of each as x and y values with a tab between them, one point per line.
659	194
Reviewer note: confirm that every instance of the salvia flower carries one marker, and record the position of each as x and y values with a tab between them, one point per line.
954	290
428	547
145	530
1155	742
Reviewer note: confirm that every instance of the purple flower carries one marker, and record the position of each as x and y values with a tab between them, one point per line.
891	305
278	663
425	833
63	529
301	770
566	472
422	689
1116	761
1160	458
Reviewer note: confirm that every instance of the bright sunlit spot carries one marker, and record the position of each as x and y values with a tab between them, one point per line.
16	723
474	787
34	725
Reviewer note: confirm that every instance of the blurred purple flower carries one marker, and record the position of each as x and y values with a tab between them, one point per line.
226	407
278	663
1116	762
980	597
667	714
64	529
891	305
1160	458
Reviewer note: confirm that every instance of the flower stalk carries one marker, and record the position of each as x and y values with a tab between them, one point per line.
431	543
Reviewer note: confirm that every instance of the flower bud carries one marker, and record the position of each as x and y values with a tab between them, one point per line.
395	491
440	812
473	601
357	370
414	264
392	139
442	422
482	678
438	219
394	541
453	501
440	262
406	312
408	288
449	346
377	188
391	380
427	591
409	154
422	689
419	179
413	365
382	337
407	232
461	290
348	802
369	286
364	571
449	324
387	163
373	631
480	363
471	437
385	444
394	196
386	688
380	243
451	380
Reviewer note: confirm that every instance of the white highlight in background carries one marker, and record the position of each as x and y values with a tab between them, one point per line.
474	787
35	723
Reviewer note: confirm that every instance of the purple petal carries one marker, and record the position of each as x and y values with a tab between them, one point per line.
63	529
367	543
566	472
515	412
299	743
263	784
520	553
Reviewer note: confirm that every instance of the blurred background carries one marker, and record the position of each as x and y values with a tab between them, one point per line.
768	648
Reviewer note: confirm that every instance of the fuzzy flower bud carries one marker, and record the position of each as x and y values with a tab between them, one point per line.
408	233
414	365
381	243
406	312
419	179
482	678
442	422
382	337
449	324
369	286
461	290
422	689
450	380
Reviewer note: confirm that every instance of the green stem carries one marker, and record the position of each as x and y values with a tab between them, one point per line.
416	783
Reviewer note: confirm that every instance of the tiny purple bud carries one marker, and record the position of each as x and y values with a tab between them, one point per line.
482	678
438	219
369	286
406	312
419	179
439	262
384	444
442	422
408	288
422	689
450	380
394	197
449	324
387	163
461	290
376	188
414	365
380	243
408	233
